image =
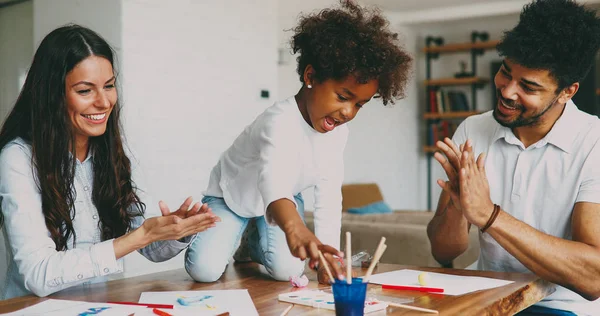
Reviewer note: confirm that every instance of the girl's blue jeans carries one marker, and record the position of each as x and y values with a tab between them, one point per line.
211	250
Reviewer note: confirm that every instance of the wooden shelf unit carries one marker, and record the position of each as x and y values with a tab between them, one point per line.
448	115
443	122
430	149
455	81
460	47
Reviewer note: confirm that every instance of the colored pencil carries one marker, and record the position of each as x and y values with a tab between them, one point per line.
412	288
426	310
348	258
324	263
378	253
287	310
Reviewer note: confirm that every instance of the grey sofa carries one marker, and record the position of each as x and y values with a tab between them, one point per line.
405	231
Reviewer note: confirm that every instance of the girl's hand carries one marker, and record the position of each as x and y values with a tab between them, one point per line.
322	276
304	244
301	241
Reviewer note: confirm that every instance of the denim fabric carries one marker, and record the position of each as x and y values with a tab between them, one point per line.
211	250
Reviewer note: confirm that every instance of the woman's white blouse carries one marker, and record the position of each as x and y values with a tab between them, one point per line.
34	265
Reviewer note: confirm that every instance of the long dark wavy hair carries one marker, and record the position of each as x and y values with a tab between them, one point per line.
40	118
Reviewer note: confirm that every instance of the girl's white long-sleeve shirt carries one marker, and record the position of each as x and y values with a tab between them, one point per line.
278	156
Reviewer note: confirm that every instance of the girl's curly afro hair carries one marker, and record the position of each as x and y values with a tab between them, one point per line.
352	40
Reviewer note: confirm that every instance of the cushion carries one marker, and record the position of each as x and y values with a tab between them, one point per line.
359	194
374	208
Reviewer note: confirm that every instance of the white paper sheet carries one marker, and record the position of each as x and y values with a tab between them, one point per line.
53	307
452	284
236	302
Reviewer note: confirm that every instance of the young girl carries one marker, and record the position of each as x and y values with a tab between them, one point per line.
70	207
346	56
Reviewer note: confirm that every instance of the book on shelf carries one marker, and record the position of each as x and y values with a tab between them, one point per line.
443	101
441	130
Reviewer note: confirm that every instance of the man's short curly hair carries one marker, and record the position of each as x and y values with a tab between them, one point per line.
560	36
352	40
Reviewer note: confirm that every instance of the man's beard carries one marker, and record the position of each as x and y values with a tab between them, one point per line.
520	121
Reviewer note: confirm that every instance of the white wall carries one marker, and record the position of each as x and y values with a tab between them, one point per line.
193	74
384	145
104	17
16	51
288	15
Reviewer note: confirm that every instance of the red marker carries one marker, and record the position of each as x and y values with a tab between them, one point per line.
413	288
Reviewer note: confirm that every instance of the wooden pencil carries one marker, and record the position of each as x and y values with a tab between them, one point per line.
348	258
287	310
324	263
378	253
421	309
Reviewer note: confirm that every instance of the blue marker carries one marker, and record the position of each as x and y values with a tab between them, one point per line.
186	301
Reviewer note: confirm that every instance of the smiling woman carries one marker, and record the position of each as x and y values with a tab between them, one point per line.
70	205
90	96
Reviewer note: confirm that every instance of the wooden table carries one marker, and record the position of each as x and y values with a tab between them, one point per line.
509	299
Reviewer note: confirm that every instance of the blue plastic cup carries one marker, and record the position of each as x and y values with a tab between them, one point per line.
349	298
